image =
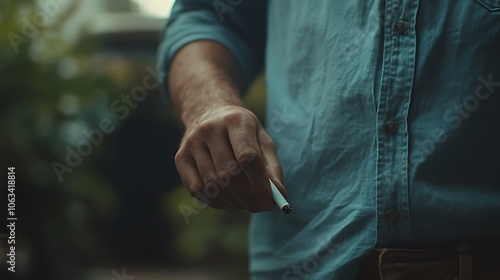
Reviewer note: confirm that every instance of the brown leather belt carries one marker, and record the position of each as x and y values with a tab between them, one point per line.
460	262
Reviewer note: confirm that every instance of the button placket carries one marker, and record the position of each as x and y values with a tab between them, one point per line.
392	144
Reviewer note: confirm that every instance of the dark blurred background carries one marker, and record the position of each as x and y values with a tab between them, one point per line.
92	142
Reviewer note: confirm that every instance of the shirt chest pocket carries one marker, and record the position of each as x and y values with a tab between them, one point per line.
491	5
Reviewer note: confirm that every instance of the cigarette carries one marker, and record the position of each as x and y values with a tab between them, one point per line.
280	200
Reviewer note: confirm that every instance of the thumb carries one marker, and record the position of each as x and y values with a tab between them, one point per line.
273	168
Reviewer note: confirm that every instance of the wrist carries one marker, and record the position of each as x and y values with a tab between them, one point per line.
194	113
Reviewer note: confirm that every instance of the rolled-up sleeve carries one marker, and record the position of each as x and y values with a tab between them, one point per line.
238	25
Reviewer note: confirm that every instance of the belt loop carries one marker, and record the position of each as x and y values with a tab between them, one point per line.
464	262
381	263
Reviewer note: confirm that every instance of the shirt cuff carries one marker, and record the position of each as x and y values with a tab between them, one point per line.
203	25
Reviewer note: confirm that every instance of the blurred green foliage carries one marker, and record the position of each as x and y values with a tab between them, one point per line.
52	88
46	95
222	232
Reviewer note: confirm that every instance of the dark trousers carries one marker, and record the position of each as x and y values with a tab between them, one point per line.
461	262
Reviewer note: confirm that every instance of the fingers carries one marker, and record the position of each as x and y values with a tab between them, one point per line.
197	174
242	134
226	160
274	171
229	172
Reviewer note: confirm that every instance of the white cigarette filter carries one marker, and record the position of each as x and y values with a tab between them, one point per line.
279	199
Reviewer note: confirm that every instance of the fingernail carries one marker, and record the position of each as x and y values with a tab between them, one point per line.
267	204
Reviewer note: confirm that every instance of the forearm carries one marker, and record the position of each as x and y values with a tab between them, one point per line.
223	142
203	75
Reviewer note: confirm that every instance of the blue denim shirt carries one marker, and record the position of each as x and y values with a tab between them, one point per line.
386	117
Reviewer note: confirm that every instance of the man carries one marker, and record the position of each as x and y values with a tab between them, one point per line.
387	133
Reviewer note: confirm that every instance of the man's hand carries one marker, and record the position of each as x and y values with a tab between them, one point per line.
226	158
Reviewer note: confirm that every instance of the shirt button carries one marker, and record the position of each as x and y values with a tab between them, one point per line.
391	126
400	26
392	215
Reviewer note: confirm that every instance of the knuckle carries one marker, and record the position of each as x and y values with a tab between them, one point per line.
207	128
180	156
223	175
246	156
190	140
208	180
233	119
